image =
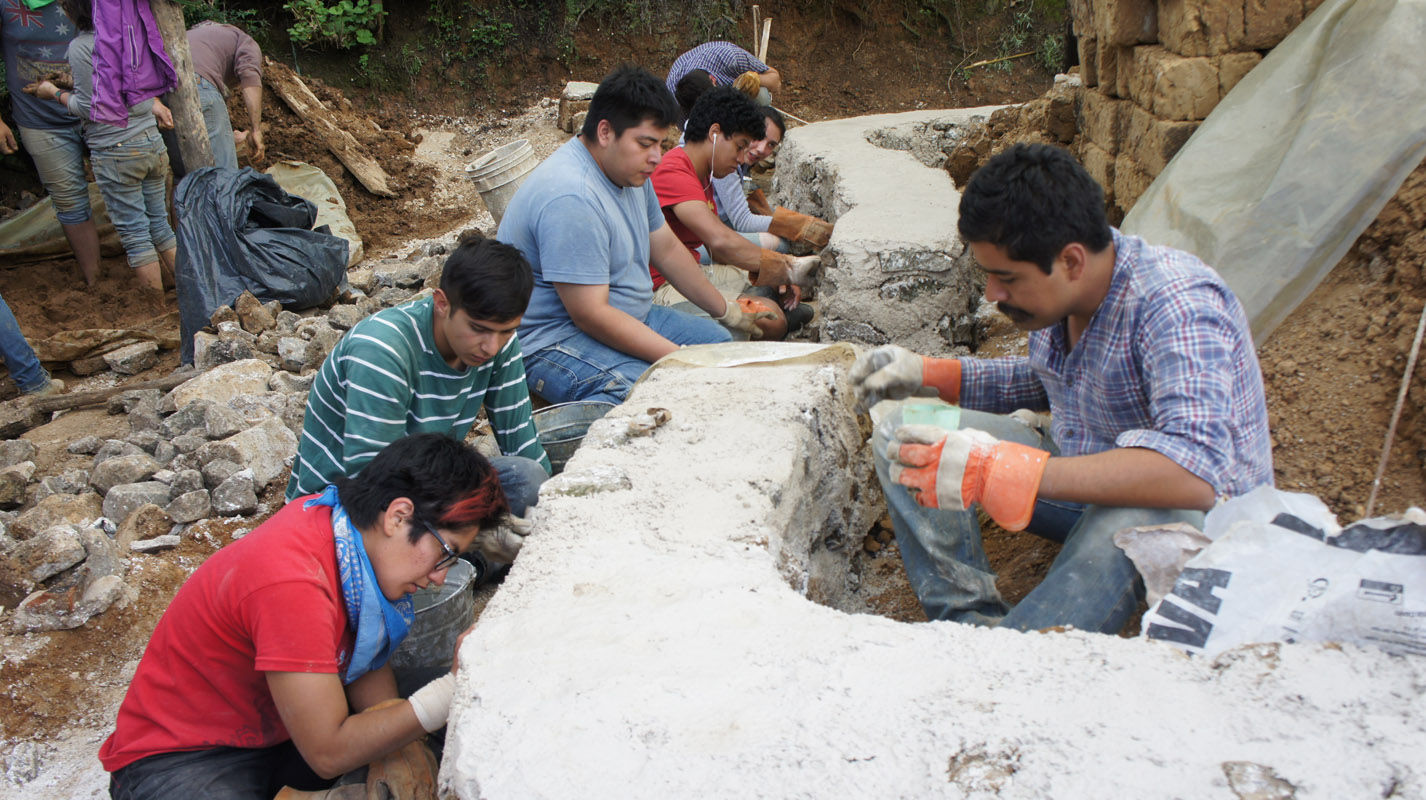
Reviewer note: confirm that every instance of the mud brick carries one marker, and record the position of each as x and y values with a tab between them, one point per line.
1126	22
1130	182
1088	60
1101	119
1152	141
1267	22
1100	166
1201	27
1233	68
1107	68
1173	86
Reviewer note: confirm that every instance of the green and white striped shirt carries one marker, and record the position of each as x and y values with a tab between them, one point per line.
386	379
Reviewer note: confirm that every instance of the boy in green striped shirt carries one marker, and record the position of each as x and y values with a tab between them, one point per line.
428	366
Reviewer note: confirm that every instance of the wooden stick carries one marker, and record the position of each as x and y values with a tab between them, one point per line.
767	31
343	145
1396	415
757	25
998	60
791	116
61	402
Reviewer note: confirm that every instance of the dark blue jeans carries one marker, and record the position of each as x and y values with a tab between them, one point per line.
218	773
17	354
1091	584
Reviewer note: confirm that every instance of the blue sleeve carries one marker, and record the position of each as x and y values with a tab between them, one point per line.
574	242
733	205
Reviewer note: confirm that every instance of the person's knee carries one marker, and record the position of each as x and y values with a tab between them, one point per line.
520	478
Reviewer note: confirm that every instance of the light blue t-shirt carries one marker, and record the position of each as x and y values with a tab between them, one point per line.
575	226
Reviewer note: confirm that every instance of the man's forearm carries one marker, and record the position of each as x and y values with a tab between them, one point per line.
613	328
252	101
1126	477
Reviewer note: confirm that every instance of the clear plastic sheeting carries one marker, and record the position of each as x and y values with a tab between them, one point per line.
1298	159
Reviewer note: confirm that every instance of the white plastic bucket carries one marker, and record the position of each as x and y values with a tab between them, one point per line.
498	174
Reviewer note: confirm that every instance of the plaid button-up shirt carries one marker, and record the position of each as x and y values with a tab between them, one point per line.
725	61
1167	363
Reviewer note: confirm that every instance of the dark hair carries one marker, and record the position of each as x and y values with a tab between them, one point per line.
1033	199
627	97
451	485
80	12
731	110
689	88
776	116
487	279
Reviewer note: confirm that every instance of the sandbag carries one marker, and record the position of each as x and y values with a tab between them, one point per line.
239	231
305	180
36	235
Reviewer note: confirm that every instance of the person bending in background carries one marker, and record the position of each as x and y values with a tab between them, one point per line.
34	42
130	163
224	57
725	64
269	668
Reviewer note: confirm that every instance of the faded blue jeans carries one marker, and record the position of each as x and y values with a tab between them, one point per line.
19	357
131	176
1091	585
220	128
581	368
59	159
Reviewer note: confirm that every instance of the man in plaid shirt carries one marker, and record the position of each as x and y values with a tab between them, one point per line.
1142	355
724	64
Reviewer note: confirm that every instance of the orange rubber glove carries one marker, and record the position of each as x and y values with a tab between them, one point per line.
800	227
892	372
956	469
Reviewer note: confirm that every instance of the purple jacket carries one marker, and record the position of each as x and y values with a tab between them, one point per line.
130	64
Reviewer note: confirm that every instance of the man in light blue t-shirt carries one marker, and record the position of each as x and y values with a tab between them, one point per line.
590	225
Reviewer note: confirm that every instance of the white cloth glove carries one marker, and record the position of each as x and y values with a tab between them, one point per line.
432	702
889	372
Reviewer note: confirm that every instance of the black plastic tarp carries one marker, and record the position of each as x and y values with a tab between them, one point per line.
239	231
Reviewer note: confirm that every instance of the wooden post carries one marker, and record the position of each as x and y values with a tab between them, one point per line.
757	26
193	145
767	32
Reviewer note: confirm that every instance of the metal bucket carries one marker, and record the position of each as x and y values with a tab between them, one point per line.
499	173
442	614
562	427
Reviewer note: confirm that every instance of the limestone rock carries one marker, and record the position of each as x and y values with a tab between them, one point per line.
114	448
185	481
222	383
72	481
319	346
190	506
49	553
14	480
265	449
252	315
132	359
267	342
219	470
58	509
288	383
164	542
85	445
188	442
573	100
16	451
292	353
123	469
343	317
125	498
287	321
145	440
147	521
221	315
236	495
164	452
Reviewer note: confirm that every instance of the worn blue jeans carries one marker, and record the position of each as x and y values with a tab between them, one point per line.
131	177
59	159
220	128
1091	584
219	773
19	357
581	368
521	479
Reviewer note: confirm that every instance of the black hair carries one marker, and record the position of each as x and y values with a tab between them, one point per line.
776	116
627	97
80	12
1033	199
451	485
731	110
487	279
689	88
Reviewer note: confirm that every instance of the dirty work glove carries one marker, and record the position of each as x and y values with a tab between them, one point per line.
502	543
1034	420
758	204
406	774
957	469
748	83
736	319
800	227
349	791
781	269
892	372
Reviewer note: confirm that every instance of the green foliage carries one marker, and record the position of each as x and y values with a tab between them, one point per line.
196	11
345	24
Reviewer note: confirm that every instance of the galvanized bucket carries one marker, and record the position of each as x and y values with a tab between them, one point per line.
562	427
442	614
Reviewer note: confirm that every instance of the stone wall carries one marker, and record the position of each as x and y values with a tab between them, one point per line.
1152	71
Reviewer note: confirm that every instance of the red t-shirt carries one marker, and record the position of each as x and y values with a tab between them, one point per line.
271	601
675	182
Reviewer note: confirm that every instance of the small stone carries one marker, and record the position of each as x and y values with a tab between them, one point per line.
85	445
146	522
114	448
132	359
292	353
219	470
205	354
265	449
267	342
319	346
223	314
287	321
164	452
190	506
185	481
164	542
14	480
73	481
236	495
125	498
309	326
88	366
390	297
124	402
252	315
343	317
223	383
15	451
165	477
144	440
273	308
188	442
123	469
362	279
74	509
49	553
288	383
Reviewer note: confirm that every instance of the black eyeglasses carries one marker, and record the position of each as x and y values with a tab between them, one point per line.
450	555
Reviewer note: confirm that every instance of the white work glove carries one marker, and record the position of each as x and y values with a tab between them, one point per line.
736	319
889	372
502	543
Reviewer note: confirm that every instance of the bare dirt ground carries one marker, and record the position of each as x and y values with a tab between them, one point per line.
1332	370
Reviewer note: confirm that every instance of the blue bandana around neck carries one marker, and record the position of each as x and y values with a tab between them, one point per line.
380	624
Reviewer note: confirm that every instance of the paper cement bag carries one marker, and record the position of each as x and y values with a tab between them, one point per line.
1293	575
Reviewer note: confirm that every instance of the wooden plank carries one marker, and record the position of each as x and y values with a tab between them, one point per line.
24	413
757	26
193	145
285	83
767	32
